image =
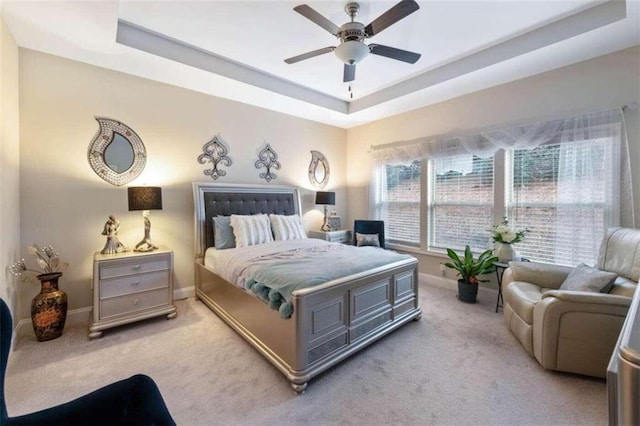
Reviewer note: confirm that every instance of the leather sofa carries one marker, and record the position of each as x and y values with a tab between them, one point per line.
572	331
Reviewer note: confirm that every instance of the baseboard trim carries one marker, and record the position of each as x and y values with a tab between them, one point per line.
184	293
437	281
24	326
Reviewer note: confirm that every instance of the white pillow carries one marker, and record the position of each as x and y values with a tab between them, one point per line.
251	230
287	227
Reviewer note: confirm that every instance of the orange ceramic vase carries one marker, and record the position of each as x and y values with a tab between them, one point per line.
49	308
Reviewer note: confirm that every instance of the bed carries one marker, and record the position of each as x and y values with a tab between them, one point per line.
330	321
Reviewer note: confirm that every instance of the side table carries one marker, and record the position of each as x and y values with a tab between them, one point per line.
129	287
500	268
342	236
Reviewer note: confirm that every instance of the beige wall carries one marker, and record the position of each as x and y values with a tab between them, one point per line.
608	81
9	163
64	203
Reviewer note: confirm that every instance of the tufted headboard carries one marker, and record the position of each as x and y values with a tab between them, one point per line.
210	200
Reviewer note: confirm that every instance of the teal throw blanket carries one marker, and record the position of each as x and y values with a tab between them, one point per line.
307	267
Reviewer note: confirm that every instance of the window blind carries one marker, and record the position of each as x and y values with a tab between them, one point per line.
460	209
399	202
565	194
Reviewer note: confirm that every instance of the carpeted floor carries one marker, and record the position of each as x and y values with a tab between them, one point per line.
458	365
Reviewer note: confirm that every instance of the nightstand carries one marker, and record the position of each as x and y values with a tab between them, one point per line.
129	287
342	236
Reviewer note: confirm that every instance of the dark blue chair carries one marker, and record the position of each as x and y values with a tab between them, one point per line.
369	227
133	401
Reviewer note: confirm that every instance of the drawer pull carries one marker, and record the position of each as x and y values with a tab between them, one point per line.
135	283
135	267
136	302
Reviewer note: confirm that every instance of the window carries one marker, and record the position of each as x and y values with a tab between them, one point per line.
460	209
563	193
567	180
398	202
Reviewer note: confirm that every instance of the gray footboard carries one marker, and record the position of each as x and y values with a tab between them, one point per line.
330	322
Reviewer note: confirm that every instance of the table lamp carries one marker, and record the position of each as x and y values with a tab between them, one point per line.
145	198
326	199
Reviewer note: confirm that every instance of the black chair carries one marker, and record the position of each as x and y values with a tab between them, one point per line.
369	227
133	401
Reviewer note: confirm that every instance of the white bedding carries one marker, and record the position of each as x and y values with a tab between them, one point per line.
210	258
231	264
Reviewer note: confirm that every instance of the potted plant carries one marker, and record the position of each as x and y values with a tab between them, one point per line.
49	307
468	269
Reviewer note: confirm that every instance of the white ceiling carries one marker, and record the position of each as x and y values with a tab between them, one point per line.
236	49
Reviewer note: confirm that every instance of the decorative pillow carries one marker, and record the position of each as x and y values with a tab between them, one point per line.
223	233
287	227
367	240
586	278
251	230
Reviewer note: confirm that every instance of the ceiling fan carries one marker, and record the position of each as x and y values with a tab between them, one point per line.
352	35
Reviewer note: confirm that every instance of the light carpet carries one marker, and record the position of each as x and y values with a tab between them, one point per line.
458	365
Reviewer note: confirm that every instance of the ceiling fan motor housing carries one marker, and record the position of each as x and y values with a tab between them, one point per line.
352	49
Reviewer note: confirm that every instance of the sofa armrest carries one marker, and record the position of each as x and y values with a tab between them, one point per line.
542	274
589	297
576	331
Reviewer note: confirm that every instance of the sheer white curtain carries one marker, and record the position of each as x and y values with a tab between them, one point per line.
578	129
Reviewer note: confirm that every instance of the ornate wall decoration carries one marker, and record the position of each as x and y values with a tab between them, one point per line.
318	170
268	159
216	152
116	152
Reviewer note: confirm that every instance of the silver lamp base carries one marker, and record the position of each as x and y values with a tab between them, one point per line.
146	244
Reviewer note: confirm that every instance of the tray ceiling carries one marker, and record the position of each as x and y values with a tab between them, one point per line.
236	49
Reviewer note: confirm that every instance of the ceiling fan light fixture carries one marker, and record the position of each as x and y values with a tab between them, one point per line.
352	52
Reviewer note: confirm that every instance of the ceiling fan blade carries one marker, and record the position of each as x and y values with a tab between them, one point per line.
349	73
393	53
391	16
316	18
308	55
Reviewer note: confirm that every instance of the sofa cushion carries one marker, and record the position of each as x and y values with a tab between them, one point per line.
523	297
623	287
586	278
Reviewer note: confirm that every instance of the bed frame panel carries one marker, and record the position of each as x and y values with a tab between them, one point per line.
329	323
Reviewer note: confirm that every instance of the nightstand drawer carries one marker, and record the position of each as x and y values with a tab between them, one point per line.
133	302
133	284
342	237
119	270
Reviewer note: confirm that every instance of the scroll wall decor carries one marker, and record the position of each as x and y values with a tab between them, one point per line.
268	159
116	152
318	170
216	152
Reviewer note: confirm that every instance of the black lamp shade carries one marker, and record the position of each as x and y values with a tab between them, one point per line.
326	198
145	198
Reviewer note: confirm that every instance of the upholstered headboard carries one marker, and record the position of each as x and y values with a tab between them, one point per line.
211	200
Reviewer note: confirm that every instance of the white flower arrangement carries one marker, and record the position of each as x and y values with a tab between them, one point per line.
503	233
47	260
